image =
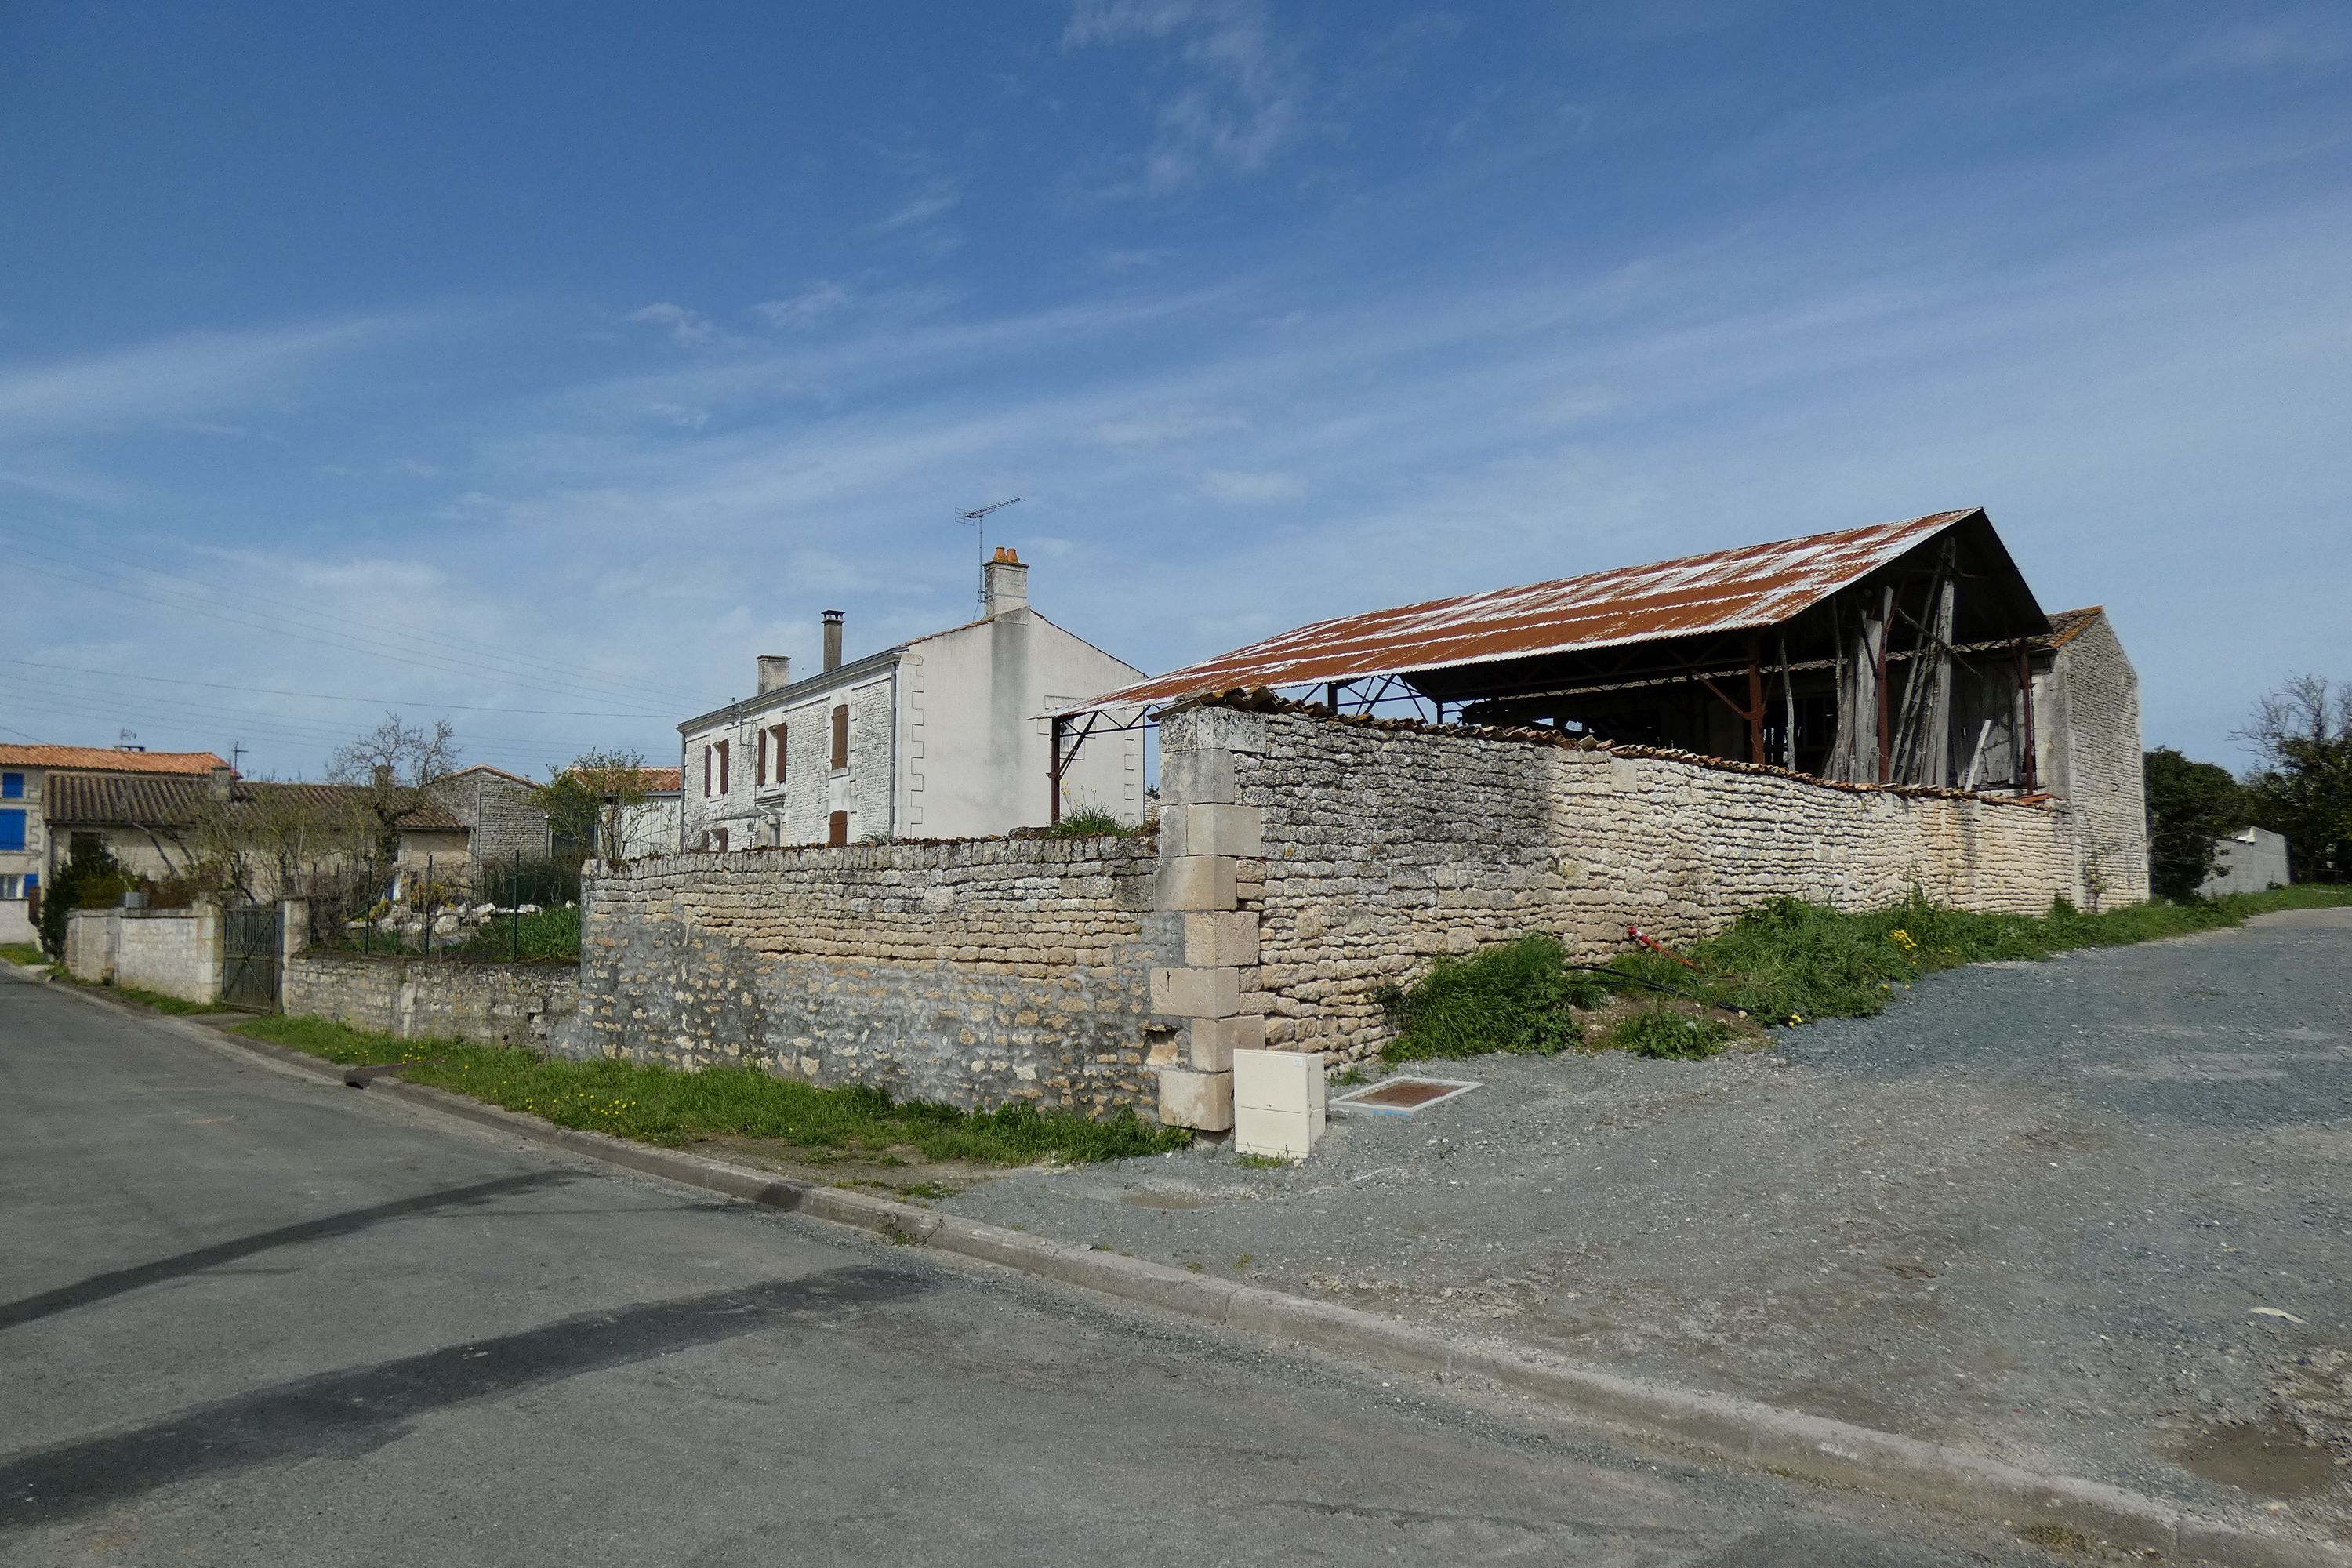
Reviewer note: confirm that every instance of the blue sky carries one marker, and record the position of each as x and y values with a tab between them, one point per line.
540	365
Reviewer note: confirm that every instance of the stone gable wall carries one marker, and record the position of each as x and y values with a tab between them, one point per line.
1377	847
973	972
2103	776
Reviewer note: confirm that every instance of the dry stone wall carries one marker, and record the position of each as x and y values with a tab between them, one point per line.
974	972
442	998
1371	848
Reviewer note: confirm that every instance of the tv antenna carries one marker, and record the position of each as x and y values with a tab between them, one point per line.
978	518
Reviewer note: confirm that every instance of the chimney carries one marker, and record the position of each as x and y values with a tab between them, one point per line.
217	786
1003	584
832	641
775	671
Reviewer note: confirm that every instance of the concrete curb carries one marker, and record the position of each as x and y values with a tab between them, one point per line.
1719	1426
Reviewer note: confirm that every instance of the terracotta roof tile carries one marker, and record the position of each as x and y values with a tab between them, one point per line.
108	760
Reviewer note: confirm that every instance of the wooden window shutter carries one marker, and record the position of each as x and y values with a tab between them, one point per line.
783	733
760	759
722	767
841	736
705	770
837	830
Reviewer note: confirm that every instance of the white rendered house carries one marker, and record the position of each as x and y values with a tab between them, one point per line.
942	737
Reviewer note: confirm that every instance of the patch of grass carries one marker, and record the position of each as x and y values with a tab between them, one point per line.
1661	1032
171	1004
550	936
1515	996
1266	1162
661	1105
1790	961
23	953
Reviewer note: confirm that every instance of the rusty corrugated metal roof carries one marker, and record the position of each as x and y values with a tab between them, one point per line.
1749	588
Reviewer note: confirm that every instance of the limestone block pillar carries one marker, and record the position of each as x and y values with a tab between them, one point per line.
1206	834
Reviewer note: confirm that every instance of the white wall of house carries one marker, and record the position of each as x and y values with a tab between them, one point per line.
946	738
24	866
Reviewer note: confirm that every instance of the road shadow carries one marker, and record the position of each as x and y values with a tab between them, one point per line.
115	1282
345	1415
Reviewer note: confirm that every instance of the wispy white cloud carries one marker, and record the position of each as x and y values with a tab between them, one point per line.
685	328
934	199
1236	488
810	308
1242	92
188	377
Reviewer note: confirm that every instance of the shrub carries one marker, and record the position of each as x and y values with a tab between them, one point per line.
1091	822
1514	996
91	878
1661	1032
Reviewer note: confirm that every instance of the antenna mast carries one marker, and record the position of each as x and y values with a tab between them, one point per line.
978	518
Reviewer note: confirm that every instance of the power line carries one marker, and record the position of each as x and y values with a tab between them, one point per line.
390	628
426	660
330	696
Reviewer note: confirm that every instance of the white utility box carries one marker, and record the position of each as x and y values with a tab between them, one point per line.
1277	1102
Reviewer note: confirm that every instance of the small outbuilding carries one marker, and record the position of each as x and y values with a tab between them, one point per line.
2248	861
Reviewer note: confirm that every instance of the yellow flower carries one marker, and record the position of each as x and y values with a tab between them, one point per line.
1902	939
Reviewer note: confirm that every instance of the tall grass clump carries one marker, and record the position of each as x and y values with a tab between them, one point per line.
1514	997
1790	961
1661	1032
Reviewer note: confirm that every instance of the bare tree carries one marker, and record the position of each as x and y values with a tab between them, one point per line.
260	843
398	756
2302	734
395	761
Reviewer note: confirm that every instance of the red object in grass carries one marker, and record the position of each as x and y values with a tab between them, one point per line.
1654	945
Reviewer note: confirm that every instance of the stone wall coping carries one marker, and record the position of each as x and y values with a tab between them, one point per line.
901	854
1260	701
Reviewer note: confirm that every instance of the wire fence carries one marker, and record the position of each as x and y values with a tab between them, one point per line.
484	909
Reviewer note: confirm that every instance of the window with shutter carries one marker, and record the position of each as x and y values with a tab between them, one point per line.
722	767
760	762
837	829
841	736
705	770
781	733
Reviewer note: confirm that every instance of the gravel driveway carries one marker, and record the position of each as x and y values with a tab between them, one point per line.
2093	1214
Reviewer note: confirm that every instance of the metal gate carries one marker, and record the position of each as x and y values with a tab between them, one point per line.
251	940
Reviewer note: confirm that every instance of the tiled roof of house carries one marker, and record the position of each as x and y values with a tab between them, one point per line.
108	760
101	799
487	768
661	780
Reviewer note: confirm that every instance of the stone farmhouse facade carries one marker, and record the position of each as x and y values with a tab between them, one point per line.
941	737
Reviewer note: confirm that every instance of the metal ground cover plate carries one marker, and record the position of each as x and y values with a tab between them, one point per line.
1401	1096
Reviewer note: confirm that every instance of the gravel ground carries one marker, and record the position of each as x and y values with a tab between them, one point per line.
2093	1214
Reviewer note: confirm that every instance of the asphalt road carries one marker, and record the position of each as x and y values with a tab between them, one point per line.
245	1318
